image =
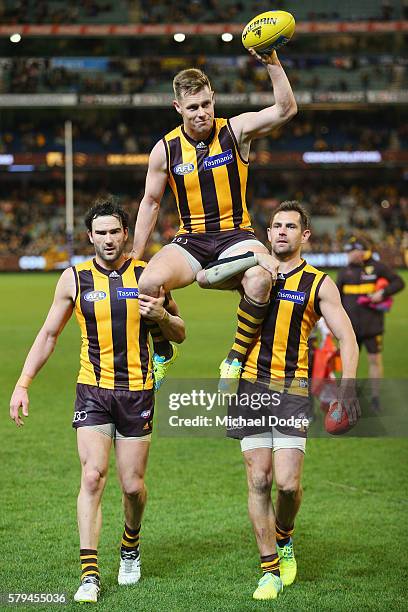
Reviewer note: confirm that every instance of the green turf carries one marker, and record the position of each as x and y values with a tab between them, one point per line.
198	548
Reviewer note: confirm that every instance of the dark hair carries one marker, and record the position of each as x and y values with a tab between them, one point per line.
103	207
293	205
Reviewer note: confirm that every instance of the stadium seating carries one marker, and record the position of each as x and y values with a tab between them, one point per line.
98	132
38	214
194	11
90	75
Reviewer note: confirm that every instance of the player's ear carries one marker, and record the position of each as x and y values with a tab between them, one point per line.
90	237
268	233
305	236
177	106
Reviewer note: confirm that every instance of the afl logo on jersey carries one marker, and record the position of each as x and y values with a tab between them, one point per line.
183	169
94	296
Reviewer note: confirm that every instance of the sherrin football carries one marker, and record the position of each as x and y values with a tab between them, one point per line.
336	421
268	31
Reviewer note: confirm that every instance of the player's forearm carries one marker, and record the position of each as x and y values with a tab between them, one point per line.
284	99
41	350
349	356
145	224
173	327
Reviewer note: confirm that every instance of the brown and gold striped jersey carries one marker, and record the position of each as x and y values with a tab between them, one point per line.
115	351
281	350
208	179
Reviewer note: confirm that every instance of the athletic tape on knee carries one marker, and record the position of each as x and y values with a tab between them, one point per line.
224	269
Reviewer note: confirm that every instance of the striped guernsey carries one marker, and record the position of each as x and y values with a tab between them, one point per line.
115	351
208	179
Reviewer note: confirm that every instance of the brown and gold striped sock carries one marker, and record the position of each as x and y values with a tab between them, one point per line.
270	564
161	346
283	534
89	563
250	318
130	540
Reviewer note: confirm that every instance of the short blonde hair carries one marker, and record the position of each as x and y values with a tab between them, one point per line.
190	81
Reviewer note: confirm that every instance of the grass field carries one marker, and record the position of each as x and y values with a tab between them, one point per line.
198	550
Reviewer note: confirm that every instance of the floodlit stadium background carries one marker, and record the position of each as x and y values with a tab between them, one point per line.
106	67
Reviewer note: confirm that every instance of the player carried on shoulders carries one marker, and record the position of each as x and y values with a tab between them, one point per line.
205	162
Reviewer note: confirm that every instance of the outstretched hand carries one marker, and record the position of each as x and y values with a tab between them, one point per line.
266	58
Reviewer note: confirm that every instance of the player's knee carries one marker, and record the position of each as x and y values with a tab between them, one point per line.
260	482
202	280
149	284
133	487
257	283
92	480
289	488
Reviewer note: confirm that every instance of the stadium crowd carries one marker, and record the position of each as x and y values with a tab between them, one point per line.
32	219
191	11
101	132
229	74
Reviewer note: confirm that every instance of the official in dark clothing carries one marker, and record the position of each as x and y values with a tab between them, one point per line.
366	286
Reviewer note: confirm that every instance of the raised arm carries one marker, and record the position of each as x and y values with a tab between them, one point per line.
249	126
58	315
156	180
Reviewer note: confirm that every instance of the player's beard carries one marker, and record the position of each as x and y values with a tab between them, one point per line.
110	257
284	251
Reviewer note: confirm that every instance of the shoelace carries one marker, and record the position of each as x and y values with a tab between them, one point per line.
91	580
129	558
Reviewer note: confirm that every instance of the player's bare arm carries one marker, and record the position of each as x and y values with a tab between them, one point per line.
44	344
168	318
249	126
340	325
156	180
